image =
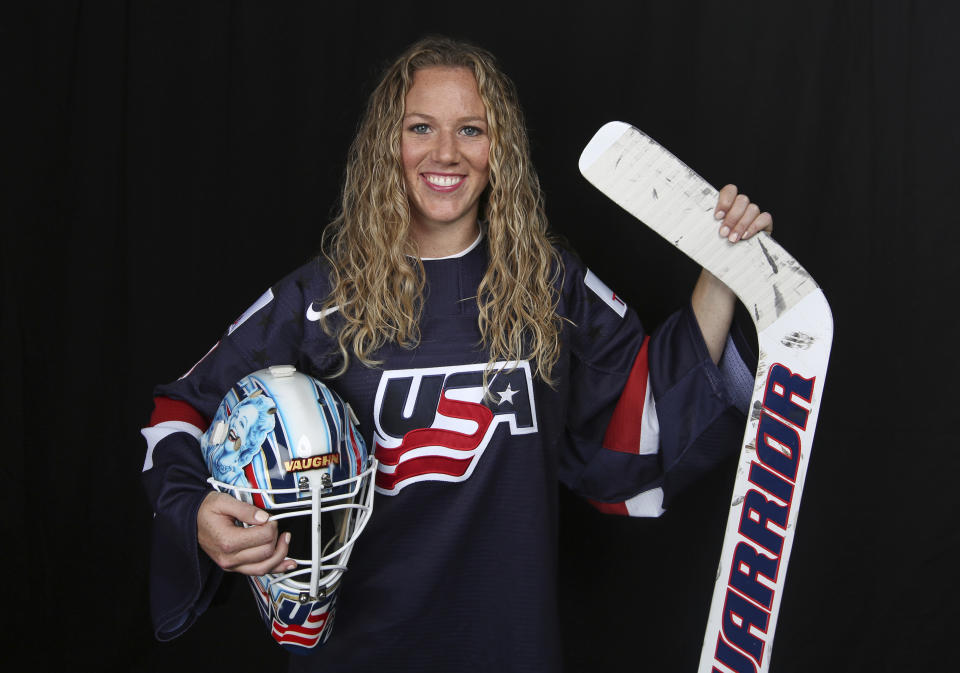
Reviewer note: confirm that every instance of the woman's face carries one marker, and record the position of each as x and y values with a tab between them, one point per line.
445	149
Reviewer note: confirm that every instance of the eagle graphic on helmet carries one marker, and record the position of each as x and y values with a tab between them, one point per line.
283	441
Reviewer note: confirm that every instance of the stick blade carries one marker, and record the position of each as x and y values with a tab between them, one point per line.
654	186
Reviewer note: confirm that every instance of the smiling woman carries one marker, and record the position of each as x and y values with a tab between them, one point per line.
445	169
441	152
484	363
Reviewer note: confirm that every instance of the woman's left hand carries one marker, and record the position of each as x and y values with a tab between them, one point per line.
741	219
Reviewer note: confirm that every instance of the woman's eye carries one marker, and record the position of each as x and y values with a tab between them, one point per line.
471	131
420	128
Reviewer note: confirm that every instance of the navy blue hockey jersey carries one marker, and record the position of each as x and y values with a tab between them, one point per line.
457	569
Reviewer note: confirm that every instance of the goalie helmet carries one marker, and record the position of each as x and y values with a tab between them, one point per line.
284	442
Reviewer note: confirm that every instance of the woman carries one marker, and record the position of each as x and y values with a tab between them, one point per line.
484	364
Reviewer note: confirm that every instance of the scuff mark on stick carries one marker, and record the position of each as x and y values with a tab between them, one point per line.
770	260
778	301
799	340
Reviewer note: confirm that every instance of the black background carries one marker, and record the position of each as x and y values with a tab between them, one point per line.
165	162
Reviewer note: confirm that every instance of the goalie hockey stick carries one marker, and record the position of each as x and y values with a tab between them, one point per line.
795	332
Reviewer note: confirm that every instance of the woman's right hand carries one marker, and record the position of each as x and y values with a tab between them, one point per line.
255	550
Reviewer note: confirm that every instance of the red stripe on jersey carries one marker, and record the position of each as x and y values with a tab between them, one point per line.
611	507
623	432
450	439
436	437
166	409
415	467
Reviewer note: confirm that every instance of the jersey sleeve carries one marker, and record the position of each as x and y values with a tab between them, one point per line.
648	413
182	578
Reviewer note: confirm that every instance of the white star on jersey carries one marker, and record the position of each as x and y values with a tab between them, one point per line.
507	394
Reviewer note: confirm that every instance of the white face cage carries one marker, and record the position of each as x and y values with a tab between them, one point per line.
348	503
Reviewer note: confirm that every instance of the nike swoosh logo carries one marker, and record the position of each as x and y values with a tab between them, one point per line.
313	316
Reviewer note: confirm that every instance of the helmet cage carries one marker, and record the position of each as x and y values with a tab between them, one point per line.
349	502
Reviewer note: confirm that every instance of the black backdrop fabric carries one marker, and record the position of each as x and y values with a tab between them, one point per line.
164	162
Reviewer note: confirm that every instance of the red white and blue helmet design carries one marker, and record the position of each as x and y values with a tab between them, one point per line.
284	442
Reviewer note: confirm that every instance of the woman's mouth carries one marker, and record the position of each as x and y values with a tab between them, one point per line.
441	182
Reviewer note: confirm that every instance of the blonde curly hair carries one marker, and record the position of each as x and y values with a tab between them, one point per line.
376	273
